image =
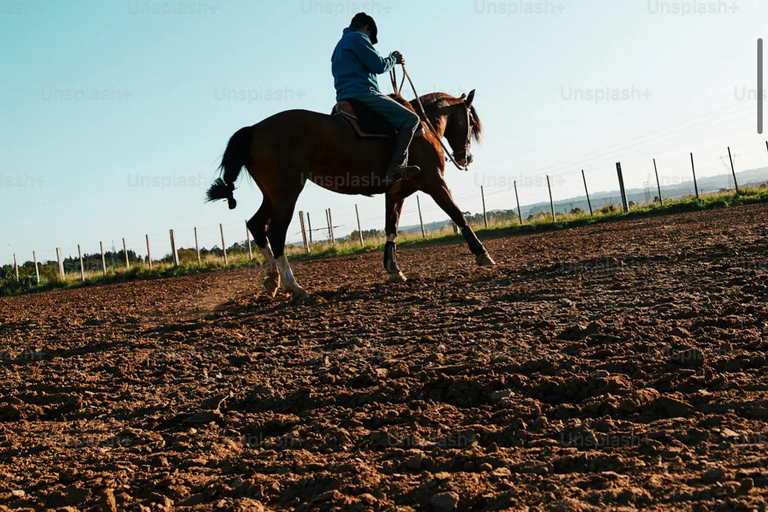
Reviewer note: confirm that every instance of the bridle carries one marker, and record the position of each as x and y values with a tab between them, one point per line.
462	155
454	157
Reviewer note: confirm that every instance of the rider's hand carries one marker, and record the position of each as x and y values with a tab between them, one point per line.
399	58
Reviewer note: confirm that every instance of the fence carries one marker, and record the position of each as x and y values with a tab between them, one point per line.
127	258
626	203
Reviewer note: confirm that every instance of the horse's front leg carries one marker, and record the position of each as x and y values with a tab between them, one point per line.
394	206
444	200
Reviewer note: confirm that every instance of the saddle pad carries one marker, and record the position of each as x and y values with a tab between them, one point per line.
365	121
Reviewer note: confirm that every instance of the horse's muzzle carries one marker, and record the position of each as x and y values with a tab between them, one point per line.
464	160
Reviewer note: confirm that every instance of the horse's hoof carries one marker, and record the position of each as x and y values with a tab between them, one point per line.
300	296
484	260
272	285
397	277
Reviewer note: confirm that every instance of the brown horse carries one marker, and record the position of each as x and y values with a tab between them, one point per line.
284	151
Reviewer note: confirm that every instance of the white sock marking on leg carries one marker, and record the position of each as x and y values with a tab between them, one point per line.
289	283
270	260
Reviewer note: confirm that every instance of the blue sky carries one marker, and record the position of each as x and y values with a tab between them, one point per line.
114	115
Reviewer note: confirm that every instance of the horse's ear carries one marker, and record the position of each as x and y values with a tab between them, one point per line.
463	95
470	98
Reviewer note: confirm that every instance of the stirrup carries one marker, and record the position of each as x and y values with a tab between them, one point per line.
402	172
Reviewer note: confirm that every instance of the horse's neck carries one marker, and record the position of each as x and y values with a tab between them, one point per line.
439	122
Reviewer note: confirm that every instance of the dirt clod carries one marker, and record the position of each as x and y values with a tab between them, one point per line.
445	501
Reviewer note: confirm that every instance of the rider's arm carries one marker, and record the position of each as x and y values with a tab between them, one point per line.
371	58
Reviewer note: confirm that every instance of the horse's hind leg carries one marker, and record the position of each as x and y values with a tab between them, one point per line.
272	282
394	206
258	227
282	213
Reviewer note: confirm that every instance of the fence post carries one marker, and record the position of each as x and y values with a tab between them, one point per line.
80	255
658	183
125	251
248	241
174	251
551	201
421	218
330	227
16	267
37	268
485	214
61	263
733	170
695	183
197	249
517	199
303	232
103	259
589	201
223	244
622	188
760	78
359	229
309	228
149	253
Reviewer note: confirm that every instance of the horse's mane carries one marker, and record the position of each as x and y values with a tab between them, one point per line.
436	101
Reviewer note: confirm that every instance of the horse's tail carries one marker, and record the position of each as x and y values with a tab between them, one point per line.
235	157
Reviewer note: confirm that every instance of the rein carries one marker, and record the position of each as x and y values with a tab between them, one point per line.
393	77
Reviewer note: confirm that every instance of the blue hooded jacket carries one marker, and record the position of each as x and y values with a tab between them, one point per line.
355	64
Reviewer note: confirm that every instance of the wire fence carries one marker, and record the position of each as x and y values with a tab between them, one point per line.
500	197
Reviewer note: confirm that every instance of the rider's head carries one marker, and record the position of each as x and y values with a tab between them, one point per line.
365	24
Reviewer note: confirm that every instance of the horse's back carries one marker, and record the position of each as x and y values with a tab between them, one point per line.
295	117
300	136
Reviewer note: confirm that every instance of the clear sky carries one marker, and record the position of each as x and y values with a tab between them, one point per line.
114	114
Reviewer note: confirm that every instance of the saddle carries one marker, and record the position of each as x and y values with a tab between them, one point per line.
366	122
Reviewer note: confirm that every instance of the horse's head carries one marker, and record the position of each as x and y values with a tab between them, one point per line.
457	121
461	127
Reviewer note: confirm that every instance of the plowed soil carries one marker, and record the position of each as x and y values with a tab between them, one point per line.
613	367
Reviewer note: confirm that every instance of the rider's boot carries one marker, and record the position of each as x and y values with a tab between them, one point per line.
398	168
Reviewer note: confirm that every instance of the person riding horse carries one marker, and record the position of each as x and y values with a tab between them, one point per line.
286	150
355	64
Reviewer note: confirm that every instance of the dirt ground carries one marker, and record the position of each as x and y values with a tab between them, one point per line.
613	367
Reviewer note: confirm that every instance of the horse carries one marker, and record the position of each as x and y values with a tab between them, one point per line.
284	151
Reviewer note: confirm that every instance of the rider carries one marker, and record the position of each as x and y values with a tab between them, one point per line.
355	64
